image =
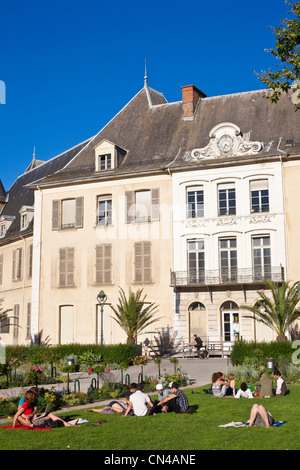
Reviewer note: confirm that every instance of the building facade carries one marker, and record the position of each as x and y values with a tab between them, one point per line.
193	201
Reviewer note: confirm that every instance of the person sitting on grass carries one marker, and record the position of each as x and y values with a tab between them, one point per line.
36	392
140	403
219	386
281	388
244	391
24	415
176	401
25	412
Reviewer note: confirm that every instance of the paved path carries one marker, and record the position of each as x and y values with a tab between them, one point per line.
199	372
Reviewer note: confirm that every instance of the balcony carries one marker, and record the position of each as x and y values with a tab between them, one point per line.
226	278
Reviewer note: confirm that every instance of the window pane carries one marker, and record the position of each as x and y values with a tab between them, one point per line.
68	213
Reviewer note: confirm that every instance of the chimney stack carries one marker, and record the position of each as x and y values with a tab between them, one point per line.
190	98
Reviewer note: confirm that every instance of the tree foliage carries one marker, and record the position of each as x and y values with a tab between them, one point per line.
286	75
279	311
134	314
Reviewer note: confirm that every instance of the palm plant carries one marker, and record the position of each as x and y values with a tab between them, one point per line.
279	311
134	314
4	319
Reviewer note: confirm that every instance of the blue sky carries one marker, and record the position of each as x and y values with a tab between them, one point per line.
70	65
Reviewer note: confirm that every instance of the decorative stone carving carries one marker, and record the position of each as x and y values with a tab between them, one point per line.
226	140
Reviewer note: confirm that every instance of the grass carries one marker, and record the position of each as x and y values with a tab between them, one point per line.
199	431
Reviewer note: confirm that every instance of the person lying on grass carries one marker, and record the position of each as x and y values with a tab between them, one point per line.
260	416
117	407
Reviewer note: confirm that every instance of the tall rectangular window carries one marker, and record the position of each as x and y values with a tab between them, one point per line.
28	321
104	215
142	262
66	267
30	253
195	202
228	259
105	162
196	261
16	322
67	213
227	199
103	263
261	247
259	196
142	206
17	265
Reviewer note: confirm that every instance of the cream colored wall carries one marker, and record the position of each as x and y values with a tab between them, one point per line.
16	292
122	237
292	196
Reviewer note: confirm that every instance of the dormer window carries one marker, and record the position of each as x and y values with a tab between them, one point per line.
105	162
2	230
26	216
108	156
5	223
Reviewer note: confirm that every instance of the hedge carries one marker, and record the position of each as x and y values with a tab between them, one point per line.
120	353
260	351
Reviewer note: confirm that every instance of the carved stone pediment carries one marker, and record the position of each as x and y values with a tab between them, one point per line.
226	140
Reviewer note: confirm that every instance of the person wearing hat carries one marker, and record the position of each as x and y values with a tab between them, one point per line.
161	393
176	401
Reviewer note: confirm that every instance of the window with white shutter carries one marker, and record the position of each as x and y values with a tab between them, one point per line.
17	265
66	267
142	206
67	213
142	262
103	264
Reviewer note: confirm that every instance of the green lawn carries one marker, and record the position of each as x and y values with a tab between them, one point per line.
173	432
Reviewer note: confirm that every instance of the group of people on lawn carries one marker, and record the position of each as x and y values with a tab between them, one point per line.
264	388
136	402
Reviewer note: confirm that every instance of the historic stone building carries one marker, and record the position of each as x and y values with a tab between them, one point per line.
192	201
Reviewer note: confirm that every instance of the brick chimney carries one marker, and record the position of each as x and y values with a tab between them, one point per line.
190	98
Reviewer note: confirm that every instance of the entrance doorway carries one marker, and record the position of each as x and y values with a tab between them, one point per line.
66	324
230	321
197	321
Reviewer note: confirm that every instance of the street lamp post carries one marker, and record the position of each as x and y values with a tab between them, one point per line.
102	298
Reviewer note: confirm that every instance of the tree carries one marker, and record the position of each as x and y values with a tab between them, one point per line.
134	314
279	311
287	50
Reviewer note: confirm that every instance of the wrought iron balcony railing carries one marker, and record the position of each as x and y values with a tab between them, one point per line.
219	278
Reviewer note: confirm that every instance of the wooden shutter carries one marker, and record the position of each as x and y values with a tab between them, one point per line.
142	261
79	213
56	215
14	265
154	204
1	268
66	267
19	264
129	207
28	320
147	261
103	263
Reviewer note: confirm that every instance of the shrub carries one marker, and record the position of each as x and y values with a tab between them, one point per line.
259	352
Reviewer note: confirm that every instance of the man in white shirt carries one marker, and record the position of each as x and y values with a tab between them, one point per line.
243	392
140	403
280	384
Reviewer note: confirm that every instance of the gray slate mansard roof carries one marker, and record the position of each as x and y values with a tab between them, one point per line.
20	195
155	138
